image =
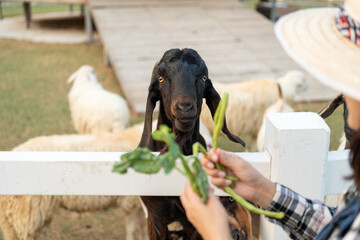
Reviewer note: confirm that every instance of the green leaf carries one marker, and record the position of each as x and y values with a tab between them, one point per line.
168	162
141	160
164	134
201	179
168	159
146	166
121	167
174	150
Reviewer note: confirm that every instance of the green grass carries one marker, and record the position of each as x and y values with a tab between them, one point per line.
33	89
17	9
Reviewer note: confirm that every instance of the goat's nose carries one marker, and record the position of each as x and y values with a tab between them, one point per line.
185	106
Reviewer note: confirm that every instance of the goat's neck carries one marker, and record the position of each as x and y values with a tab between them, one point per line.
186	140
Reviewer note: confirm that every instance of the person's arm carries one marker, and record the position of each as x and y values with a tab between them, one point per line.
303	217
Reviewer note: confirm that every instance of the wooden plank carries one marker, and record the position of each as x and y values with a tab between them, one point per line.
90	173
141	3
88	24
235	42
27	13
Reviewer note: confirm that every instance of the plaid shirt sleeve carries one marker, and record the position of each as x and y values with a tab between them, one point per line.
304	218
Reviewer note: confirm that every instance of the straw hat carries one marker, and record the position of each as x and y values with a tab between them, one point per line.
313	39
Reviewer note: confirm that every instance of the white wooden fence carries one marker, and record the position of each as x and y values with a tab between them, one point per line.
296	155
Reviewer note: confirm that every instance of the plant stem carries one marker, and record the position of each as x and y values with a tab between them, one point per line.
180	171
251	207
198	147
231	178
218	125
189	174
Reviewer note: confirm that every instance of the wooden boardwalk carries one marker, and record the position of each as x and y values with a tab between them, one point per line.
236	43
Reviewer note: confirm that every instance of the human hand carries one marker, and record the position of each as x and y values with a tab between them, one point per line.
250	185
208	218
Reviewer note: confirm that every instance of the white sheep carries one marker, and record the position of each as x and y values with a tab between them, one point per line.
94	109
23	217
124	141
249	100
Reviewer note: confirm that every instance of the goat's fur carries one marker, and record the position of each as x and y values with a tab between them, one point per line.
249	100
180	82
94	109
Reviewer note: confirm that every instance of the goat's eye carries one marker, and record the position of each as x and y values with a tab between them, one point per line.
161	79
204	78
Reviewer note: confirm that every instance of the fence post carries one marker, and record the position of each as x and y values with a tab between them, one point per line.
88	23
298	145
27	13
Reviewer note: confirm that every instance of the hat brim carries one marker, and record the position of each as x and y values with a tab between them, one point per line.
311	38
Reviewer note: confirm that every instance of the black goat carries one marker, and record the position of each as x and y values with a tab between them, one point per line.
180	82
330	108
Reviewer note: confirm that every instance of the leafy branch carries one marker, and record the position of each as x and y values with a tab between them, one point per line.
218	125
144	161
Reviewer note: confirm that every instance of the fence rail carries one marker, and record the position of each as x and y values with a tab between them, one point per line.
296	155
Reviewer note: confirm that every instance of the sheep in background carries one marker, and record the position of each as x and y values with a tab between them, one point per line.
15	224
124	141
94	109
249	100
23	217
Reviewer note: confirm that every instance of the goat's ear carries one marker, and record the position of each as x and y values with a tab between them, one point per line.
152	98
212	101
330	108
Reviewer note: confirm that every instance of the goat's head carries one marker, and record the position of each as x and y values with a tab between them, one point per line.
180	81
84	74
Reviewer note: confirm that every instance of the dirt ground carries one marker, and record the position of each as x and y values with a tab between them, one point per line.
107	224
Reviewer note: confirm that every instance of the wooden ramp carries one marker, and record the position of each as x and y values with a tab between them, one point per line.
236	43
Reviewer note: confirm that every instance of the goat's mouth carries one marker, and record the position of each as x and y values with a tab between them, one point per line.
184	124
